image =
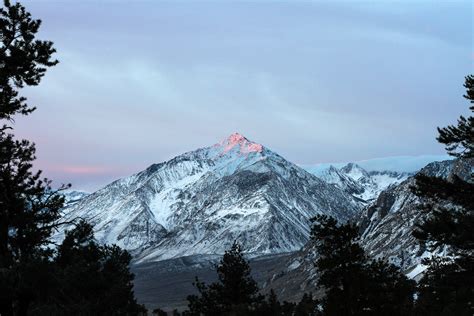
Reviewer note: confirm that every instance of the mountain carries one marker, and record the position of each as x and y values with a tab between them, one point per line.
400	164
386	226
362	184
201	201
73	196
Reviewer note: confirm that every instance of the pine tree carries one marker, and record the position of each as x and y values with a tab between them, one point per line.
23	60
307	306
340	264
29	209
387	291
271	306
355	284
83	278
447	287
235	292
159	312
459	140
91	279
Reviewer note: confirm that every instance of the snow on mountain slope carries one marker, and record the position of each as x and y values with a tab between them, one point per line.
386	227
341	180
201	201
363	184
387	224
399	164
73	196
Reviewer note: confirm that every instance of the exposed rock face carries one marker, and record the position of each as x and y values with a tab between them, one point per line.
295	276
72	196
388	223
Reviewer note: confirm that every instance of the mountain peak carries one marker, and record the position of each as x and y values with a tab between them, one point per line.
236	137
237	140
354	171
352	166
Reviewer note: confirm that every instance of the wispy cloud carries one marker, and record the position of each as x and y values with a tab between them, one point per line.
140	82
82	170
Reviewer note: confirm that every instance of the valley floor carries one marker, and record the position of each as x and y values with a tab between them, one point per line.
166	284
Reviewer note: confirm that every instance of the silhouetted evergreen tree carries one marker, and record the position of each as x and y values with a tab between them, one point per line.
159	312
23	59
307	306
354	284
29	209
459	140
271	306
340	263
91	279
33	280
288	308
235	292
447	287
388	290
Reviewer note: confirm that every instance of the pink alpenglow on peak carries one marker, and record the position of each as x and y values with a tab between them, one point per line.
244	144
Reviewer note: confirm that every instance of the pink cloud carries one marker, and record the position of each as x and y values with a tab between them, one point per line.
90	170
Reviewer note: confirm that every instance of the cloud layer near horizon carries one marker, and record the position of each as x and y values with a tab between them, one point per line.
316	81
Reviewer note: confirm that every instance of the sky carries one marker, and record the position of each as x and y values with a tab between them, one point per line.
140	82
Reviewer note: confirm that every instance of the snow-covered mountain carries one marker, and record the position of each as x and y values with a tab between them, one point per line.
201	201
386	226
73	196
400	164
355	180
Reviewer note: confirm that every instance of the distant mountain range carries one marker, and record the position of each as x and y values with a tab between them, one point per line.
359	182
386	226
400	164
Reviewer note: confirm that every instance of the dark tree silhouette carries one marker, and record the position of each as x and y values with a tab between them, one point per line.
83	278
340	263
159	312
23	59
91	279
307	306
235	292
271	306
29	208
354	284
29	211
459	140
447	288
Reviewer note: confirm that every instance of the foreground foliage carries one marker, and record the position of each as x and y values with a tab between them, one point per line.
447	288
237	293
355	284
79	277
